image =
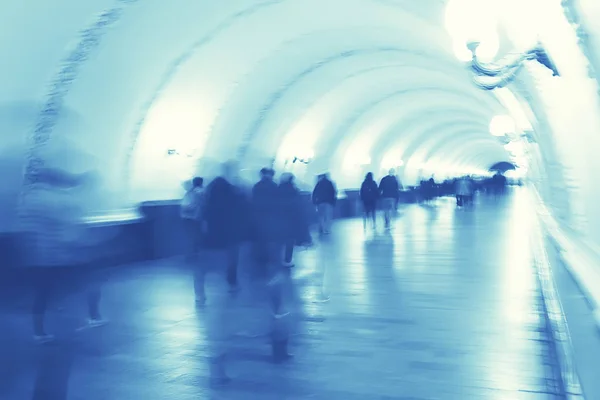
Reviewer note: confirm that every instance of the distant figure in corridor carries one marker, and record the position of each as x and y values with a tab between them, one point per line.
369	194
428	190
325	197
389	190
464	191
58	246
191	215
498	183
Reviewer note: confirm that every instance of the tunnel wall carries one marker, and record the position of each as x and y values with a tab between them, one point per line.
126	80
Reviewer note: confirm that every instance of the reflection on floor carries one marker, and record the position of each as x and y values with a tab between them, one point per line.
445	306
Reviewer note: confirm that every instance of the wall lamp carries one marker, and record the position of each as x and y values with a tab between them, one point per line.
176	152
489	76
305	161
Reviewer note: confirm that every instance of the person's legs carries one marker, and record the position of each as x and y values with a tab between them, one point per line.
280	318
199	278
288	253
43	283
233	254
320	217
387	211
275	276
94	295
328	217
86	280
369	214
190	240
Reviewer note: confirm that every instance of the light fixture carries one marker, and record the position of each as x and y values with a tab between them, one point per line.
305	156
305	161
177	152
496	75
474	28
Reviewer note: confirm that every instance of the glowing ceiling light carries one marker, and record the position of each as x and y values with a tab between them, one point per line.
472	21
502	125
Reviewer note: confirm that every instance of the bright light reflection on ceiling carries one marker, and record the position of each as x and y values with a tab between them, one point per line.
472	21
502	125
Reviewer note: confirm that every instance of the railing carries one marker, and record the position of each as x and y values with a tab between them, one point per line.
115	217
584	266
579	258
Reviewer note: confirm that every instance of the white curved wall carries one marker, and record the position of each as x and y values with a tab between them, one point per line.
251	80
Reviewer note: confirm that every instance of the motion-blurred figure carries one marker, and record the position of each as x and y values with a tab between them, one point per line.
270	205
225	215
389	190
295	227
465	191
57	244
265	215
428	190
498	184
191	215
369	194
224	218
324	197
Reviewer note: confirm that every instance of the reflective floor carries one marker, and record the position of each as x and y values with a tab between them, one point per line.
445	306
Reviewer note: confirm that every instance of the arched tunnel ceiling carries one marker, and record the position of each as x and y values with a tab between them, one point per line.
235	78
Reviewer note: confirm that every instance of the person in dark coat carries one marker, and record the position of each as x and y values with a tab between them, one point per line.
389	190
295	227
265	207
273	207
369	194
225	222
324	197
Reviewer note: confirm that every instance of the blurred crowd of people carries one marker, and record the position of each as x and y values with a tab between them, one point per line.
220	215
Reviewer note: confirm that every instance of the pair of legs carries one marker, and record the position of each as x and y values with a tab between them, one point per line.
277	284
288	252
389	206
463	200
193	233
325	211
369	209
48	280
232	254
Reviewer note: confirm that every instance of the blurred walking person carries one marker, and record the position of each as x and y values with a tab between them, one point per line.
225	216
324	197
369	194
389	191
296	230
192	218
58	246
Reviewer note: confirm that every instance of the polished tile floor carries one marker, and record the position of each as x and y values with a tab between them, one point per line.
445	306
